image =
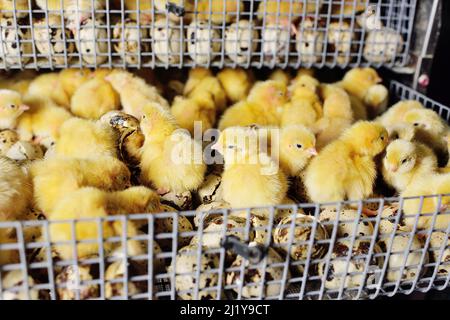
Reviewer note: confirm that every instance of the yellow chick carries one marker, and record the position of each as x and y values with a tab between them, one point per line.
296	148
80	138
364	84
189	111
345	169
7	139
429	129
349	8
18	82
281	75
71	79
171	160
48	86
7	8
42	122
11	108
85	203
134	92
404	161
15	191
195	75
250	178
236	83
134	200
218	12
94	98
337	115
210	86
55	178
427	185
263	106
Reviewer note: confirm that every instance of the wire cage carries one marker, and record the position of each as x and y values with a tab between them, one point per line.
247	33
295	251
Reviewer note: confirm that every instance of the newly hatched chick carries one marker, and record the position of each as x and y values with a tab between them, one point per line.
364	84
48	86
55	178
263	106
134	92
15	191
42	122
210	86
71	79
133	200
304	106
171	160
218	12
337	115
296	147
85	203
11	108
236	83
250	178
427	185
94	98
406	161
345	169
189	111
80	138
195	75
280	75
429	129
7	139
396	113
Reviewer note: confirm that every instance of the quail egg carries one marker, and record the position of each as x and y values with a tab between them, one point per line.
212	233
309	42
16	46
348	219
67	283
165	225
382	45
436	242
24	150
203	42
340	38
13	286
91	41
185	274
398	257
253	274
211	189
120	121
302	233
7	139
52	40
168	44
241	39
128	41
275	43
183	200
356	266
260	227
387	221
116	271
209	211
370	18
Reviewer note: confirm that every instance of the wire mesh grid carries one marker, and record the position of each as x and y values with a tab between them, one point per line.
158	33
304	251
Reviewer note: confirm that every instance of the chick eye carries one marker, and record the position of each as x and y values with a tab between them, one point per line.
230	147
404	161
299	146
12	106
416	124
382	138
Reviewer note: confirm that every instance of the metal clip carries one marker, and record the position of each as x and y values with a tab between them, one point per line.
179	11
254	254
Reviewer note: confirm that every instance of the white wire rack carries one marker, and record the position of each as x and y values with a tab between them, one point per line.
159	33
304	251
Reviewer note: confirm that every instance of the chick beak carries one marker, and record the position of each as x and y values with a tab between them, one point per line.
24	107
444	208
312	151
394	168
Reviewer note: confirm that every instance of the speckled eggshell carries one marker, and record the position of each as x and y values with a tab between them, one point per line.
68	286
209	211
241	39
165	225
115	271
347	222
436	242
211	190
179	200
14	279
382	45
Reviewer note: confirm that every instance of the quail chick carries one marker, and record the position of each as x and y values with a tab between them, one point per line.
236	83
11	108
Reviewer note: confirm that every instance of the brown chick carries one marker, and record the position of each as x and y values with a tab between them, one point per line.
55	178
171	160
236	83
345	169
15	191
80	138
